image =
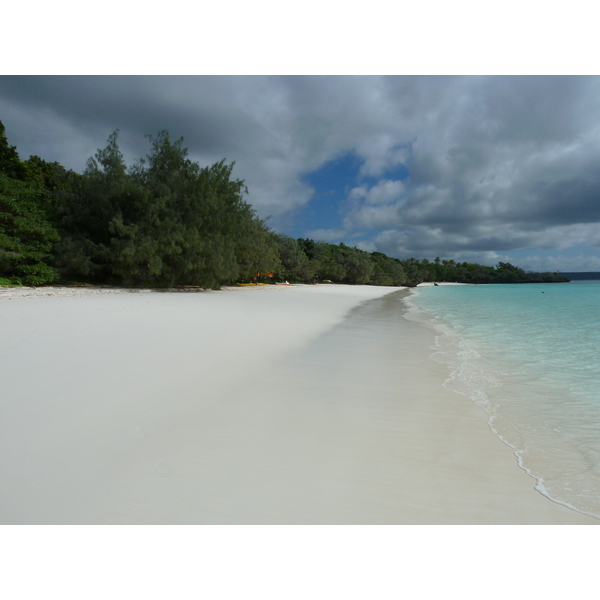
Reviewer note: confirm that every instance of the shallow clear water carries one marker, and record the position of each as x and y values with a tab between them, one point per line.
529	355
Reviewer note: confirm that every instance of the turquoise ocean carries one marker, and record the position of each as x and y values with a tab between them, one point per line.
529	355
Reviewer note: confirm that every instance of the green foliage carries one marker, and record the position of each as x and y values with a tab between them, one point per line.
164	222
339	262
342	264
386	270
295	264
358	265
26	233
449	270
5	282
331	263
256	251
26	236
308	247
55	179
416	271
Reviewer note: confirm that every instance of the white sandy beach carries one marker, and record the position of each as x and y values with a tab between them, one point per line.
283	405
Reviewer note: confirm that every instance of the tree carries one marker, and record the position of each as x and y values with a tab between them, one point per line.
386	270
415	273
295	265
358	266
331	261
256	251
92	215
166	221
26	236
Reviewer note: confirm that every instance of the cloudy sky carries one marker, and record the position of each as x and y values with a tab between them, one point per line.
478	168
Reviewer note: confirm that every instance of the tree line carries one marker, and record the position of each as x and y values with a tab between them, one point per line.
166	221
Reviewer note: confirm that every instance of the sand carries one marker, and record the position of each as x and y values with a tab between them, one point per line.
265	405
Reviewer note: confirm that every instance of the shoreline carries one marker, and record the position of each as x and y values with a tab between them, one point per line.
315	405
521	401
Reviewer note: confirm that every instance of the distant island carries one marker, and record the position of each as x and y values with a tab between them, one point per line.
166	221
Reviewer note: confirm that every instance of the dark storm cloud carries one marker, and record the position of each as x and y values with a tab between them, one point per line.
565	202
139	105
495	163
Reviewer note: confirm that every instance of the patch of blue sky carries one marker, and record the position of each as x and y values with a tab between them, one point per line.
332	183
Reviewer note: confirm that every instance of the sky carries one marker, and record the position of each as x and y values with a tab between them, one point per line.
476	168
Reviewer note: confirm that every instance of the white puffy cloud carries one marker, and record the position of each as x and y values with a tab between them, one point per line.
384	192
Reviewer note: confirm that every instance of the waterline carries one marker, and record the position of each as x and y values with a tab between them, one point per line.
529	360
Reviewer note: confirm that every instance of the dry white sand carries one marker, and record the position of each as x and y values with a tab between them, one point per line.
260	405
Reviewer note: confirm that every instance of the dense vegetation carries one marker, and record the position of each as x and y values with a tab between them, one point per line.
166	221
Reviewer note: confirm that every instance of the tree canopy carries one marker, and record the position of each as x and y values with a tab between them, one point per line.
165	221
26	232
